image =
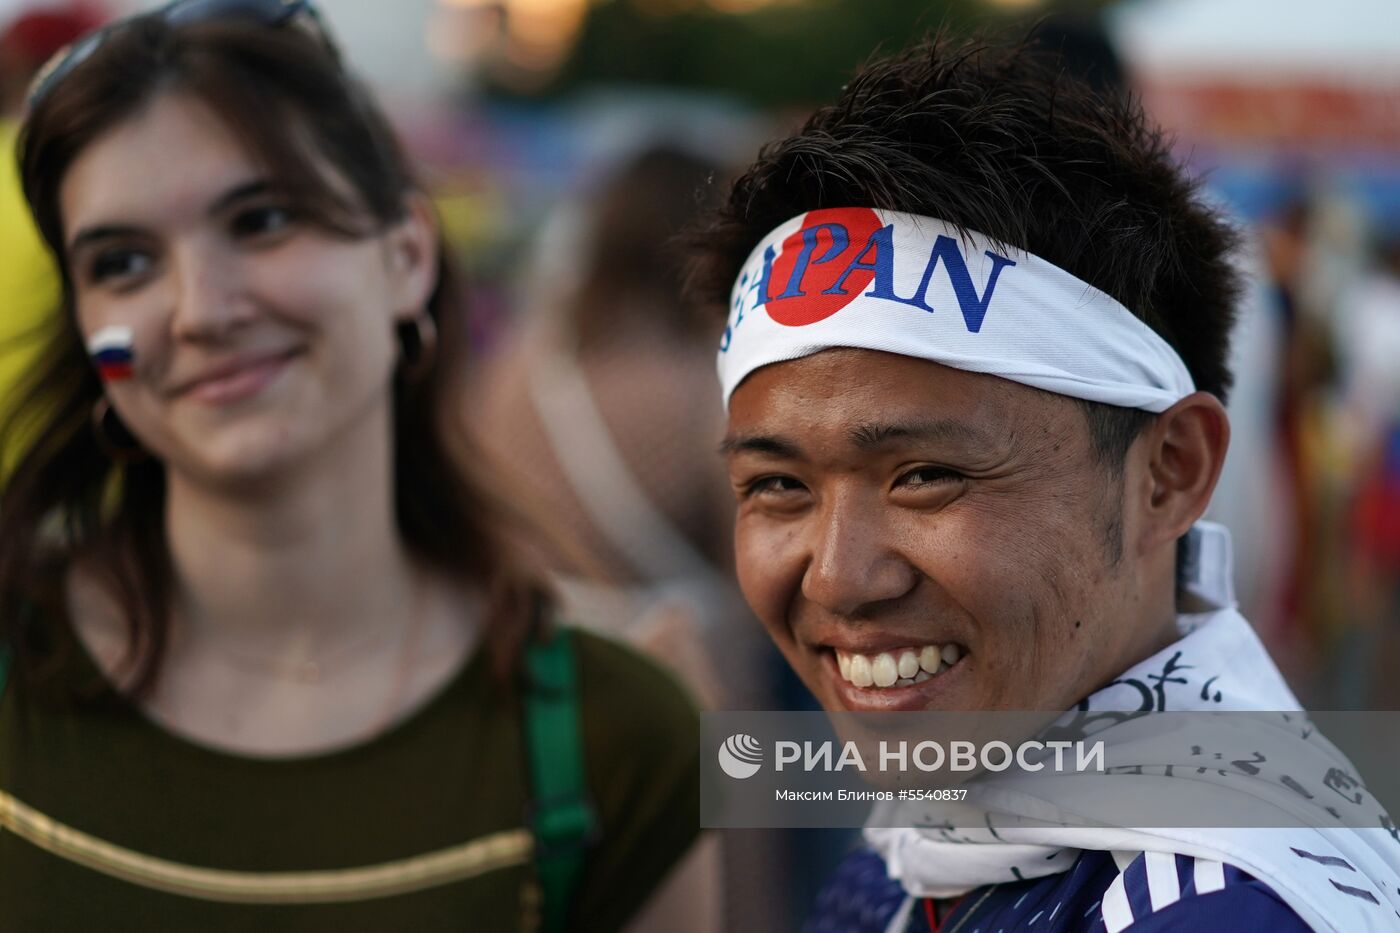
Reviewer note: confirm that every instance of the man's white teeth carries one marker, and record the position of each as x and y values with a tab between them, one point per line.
885	670
903	668
860	671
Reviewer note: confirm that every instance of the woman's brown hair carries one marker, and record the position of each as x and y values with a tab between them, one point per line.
283	92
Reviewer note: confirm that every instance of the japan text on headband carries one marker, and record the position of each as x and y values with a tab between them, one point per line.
881	280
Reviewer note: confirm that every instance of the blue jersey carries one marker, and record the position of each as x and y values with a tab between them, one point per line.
1101	893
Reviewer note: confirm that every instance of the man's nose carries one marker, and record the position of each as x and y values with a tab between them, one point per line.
210	300
854	561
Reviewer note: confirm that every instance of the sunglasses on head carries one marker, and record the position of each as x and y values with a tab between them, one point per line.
178	13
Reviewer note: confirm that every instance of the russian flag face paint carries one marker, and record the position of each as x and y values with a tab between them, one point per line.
110	349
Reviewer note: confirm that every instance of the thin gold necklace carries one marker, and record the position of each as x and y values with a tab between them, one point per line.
402	670
309	671
314	670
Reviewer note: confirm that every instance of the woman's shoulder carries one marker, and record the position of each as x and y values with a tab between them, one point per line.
630	692
641	735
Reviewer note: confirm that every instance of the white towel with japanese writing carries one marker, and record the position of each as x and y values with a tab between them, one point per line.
1335	878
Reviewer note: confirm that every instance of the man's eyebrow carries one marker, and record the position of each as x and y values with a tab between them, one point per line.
761	444
875	434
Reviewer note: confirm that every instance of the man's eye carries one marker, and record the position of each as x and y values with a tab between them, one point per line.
118	264
261	221
775	485
928	476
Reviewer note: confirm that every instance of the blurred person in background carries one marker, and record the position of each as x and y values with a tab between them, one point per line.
1368	348
265	660
29	286
599	410
1306	367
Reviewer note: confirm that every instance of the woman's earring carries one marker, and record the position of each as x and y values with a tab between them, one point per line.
418	338
114	438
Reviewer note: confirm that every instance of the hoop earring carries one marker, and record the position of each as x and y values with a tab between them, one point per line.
418	340
114	438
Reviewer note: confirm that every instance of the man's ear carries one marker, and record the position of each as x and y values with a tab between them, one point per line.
413	257
1186	450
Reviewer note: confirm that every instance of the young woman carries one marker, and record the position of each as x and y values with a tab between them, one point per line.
269	662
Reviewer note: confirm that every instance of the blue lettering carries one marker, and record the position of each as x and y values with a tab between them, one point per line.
769	255
726	339
882	265
746	290
740	299
945	248
840	239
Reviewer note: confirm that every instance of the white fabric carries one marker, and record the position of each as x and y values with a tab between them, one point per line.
1117	912
1218	664
880	280
1209	875
114	337
1163	887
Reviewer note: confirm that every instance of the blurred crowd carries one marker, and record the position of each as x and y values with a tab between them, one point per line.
593	396
1333	293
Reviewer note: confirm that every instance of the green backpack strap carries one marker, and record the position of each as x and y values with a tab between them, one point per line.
561	813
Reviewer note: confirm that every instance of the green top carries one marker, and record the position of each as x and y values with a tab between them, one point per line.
421	829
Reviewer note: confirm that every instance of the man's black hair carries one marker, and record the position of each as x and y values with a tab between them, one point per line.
1000	139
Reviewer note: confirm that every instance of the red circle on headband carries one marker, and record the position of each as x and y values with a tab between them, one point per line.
813	275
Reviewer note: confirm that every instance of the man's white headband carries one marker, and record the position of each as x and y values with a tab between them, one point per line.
880	280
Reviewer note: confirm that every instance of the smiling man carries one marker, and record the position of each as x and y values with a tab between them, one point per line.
975	372
920	537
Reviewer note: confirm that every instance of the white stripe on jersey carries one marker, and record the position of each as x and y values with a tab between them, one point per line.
1117	912
1162	884
1209	875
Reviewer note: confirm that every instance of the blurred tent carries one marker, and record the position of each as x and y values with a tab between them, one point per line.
767	53
389	45
1275	72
